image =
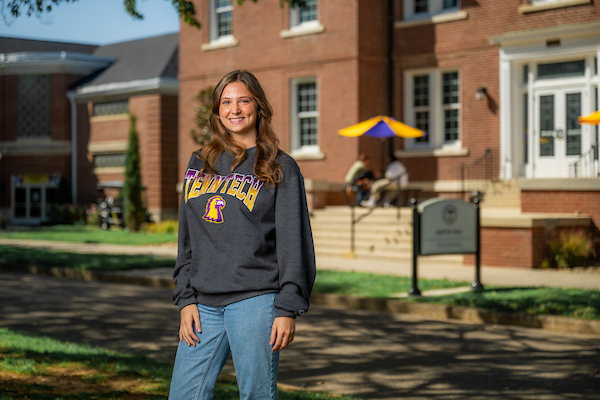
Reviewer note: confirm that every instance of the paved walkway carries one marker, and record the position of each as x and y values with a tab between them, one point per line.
368	354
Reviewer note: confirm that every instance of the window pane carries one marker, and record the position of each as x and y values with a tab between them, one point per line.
422	123
450	4
35	210
34	105
450	125
307	97
20	202
116	107
450	88
308	131
109	160
421	91
222	3
573	127
562	69
224	23
309	12
421	6
547	126
525	73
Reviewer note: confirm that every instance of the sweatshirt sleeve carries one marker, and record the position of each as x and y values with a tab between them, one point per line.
183	294
294	244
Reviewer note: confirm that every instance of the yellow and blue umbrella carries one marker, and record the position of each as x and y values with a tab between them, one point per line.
382	127
593	118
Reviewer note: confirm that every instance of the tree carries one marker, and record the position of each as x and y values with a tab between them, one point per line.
185	8
134	211
201	133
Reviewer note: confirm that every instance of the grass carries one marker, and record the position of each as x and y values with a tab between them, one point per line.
15	255
362	284
87	234
40	368
565	302
578	303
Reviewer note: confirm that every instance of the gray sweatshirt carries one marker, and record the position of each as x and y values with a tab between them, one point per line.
240	238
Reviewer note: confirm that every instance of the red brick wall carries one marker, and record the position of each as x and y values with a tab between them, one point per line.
156	123
511	247
464	45
331	57
587	203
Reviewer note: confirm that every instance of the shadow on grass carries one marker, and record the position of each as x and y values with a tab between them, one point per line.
15	255
578	303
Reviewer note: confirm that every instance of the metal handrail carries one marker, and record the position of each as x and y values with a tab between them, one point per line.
482	168
587	161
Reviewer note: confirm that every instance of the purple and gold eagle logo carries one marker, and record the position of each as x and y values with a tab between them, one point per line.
214	208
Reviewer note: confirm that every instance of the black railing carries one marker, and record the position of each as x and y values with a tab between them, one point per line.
587	164
477	175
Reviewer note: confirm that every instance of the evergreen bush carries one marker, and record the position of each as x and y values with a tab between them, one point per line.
134	210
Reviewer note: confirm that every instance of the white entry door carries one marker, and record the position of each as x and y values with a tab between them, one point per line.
557	140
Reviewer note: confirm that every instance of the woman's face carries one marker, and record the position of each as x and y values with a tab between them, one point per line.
238	113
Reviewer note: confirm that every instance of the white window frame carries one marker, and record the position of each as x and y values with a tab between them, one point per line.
308	151
435	7
215	39
298	28
436	109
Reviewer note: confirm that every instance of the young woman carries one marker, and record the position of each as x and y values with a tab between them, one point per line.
245	266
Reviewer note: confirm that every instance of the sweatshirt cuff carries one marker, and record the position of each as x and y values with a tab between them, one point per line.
186	302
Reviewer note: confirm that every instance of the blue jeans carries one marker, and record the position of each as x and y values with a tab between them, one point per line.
242	328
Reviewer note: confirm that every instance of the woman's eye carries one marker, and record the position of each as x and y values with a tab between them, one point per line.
225	102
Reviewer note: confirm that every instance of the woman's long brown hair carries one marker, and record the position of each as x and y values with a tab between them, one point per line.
266	166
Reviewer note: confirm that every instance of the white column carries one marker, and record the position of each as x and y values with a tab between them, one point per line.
505	118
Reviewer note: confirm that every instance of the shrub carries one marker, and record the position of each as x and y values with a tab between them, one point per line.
93	215
569	249
170	226
67	214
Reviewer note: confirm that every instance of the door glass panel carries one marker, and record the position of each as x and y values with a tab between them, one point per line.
36	202
573	127
546	126
20	202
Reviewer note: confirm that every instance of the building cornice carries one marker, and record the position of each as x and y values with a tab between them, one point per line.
30	63
167	86
590	29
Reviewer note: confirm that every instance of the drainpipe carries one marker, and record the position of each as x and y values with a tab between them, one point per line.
73	147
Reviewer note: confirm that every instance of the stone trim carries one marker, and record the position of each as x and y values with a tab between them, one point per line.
529	8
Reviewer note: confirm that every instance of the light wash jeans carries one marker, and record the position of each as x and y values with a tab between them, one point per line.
244	328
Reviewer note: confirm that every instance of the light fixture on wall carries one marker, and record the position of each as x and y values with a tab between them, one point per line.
481	93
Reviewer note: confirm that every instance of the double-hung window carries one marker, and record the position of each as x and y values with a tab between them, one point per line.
221	20
304	20
432	101
305	116
416	9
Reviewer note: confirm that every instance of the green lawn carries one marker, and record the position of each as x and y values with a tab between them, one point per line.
15	255
555	301
87	234
40	368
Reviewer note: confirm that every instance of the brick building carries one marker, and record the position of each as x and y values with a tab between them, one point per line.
497	85
64	114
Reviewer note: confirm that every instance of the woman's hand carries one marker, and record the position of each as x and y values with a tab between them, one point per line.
283	332
189	317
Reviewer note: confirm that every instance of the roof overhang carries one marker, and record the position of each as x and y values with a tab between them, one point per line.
168	86
31	63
